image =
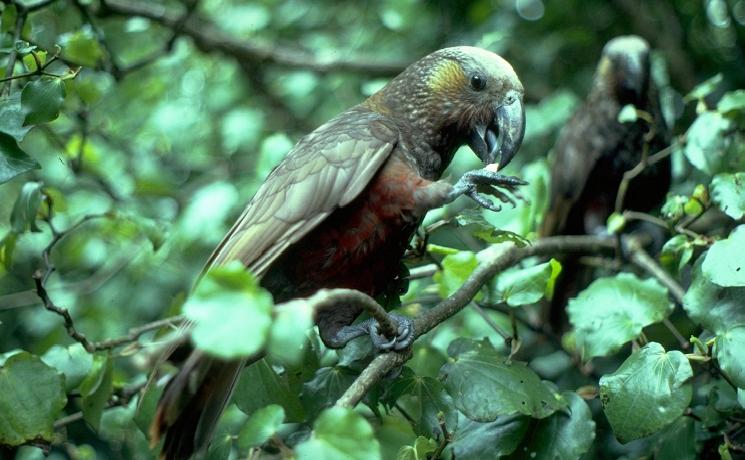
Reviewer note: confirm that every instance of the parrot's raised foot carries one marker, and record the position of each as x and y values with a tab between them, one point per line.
481	182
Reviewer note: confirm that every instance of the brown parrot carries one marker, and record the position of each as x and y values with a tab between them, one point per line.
595	149
340	209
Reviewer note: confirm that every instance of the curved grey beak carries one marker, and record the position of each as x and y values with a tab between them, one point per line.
499	141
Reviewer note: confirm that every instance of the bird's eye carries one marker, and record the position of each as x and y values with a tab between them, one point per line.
478	82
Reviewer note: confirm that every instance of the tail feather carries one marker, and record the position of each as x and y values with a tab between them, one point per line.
191	405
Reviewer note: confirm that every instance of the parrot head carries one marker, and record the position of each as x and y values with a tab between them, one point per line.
625	67
460	95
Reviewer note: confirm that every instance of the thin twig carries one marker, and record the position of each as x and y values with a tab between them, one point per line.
647	160
20	21
135	333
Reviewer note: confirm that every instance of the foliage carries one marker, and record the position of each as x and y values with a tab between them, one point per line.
132	134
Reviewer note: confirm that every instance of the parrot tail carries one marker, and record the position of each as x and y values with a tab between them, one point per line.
191	405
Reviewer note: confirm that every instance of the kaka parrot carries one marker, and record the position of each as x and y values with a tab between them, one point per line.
340	209
595	149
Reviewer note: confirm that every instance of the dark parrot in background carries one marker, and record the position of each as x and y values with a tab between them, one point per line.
594	150
340	209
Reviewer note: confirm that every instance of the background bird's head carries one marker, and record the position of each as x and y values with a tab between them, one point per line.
459	95
625	68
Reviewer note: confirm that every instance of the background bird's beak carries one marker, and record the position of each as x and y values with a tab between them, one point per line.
499	141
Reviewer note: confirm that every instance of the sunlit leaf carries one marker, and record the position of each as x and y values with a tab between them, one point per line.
720	267
524	286
231	312
456	268
713	306
23	216
340	434
261	426
648	392
704	89
72	361
614	310
728	192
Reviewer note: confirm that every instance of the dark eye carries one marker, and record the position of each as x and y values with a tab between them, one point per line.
478	82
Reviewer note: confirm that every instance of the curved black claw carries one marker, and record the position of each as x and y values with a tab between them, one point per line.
481	182
402	341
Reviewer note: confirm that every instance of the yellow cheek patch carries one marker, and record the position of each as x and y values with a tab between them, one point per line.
447	78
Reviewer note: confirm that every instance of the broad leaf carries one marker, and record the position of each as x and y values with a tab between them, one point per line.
565	435
713	306
41	100
477	441
525	286
289	334
327	385
733	101
648	392
261	426
421	450
424	398
484	385
230	311
456	268
32	395
74	362
729	350
340	434
13	160
614	310
704	88
707	143
96	389
11	117
260	386
728	192
721	263
676	253
677	441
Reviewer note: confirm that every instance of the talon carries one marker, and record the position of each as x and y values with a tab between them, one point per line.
402	341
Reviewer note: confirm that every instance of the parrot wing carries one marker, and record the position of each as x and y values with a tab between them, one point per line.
327	169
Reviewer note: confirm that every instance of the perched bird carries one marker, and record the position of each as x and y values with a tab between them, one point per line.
595	149
340	209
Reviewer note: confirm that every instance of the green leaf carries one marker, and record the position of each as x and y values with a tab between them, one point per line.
23	216
728	192
81	47
73	361
96	389
424	398
32	395
11	117
7	246
525	286
41	100
231	312
484	385
565	435
729	349
326	386
616	223
474	221
704	89
340	434
478	441
677	441
721	266
419	451
733	101
648	392
614	310
707	142
627	114
13	160
289	334
260	386
456	268
714	307
261	426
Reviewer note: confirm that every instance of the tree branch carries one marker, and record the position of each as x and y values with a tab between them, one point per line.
508	255
207	38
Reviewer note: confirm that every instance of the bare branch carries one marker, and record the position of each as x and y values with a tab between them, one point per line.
207	37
